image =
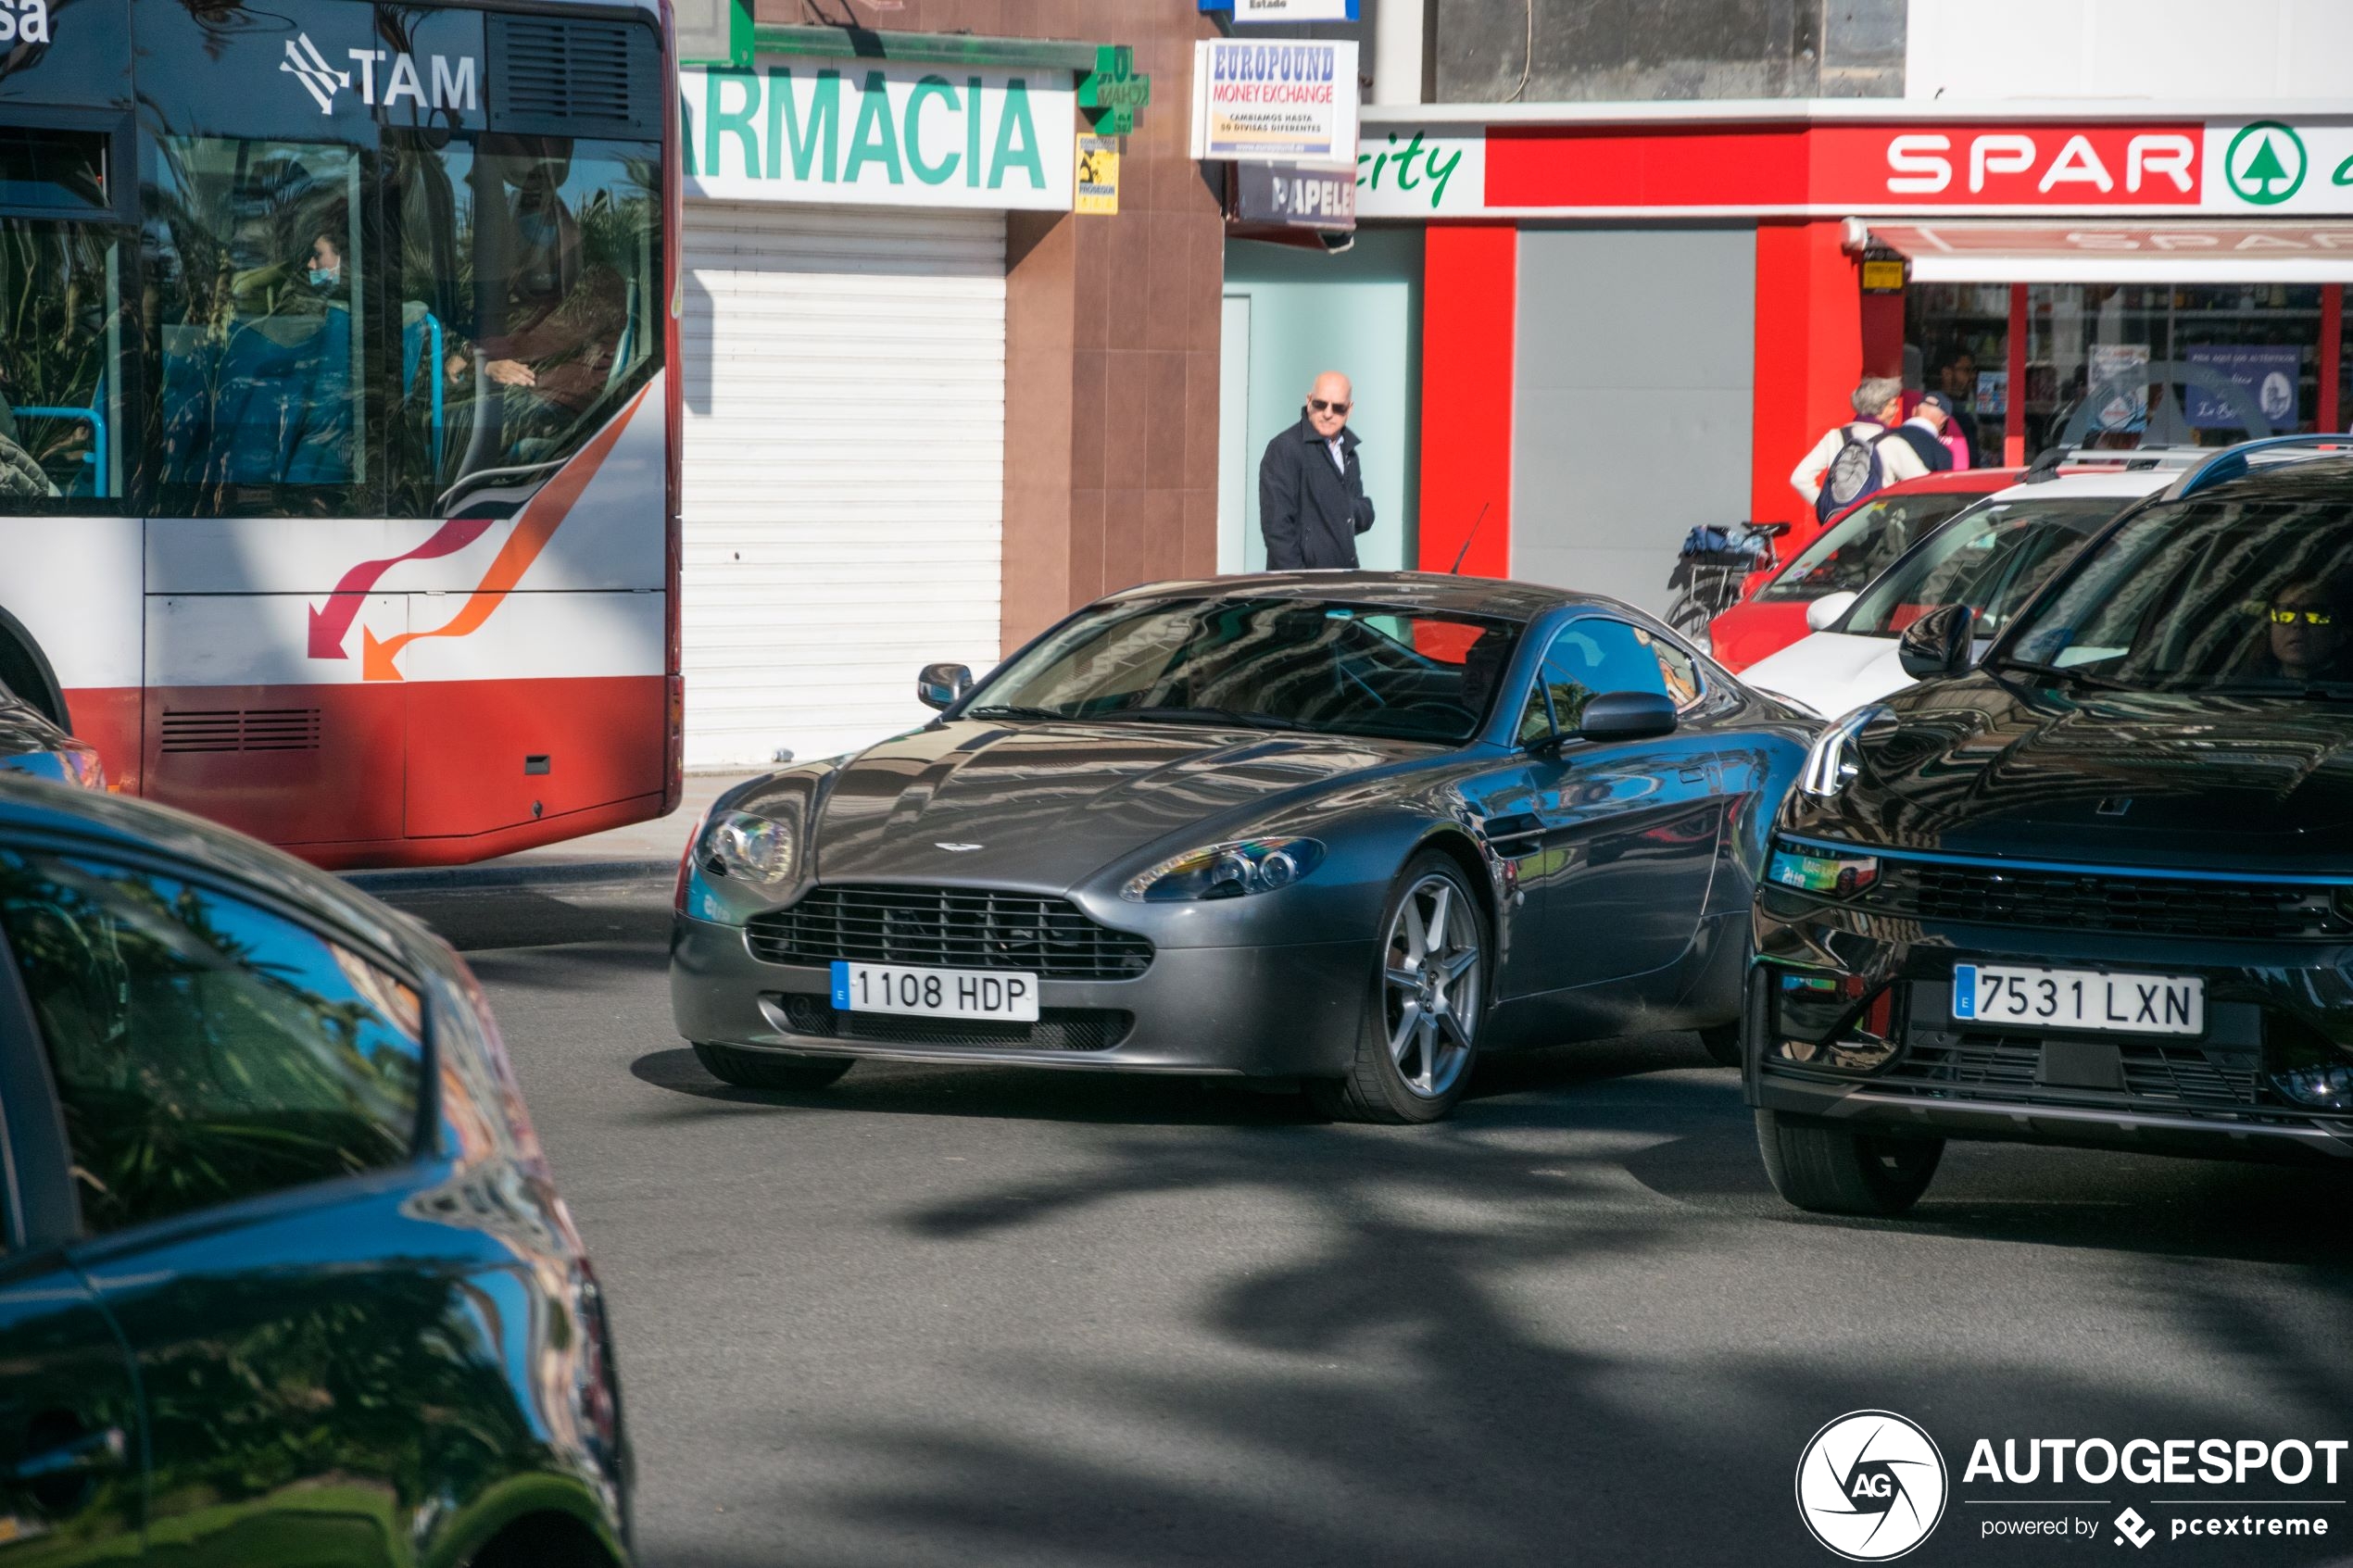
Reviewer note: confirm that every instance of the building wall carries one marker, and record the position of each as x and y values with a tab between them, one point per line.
1110	325
1582	51
2128	48
1633	400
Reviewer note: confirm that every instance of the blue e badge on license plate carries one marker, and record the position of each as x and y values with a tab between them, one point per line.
1963	990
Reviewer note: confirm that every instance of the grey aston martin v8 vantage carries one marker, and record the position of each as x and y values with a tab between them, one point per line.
1350	829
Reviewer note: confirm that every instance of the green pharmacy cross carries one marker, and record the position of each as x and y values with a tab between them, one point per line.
1113	92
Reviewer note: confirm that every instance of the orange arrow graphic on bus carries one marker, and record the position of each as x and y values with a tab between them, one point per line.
330	626
541	516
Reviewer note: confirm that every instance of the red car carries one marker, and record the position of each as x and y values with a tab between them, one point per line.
1852	549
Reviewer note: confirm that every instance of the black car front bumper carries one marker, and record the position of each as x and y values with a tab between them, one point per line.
1899	1063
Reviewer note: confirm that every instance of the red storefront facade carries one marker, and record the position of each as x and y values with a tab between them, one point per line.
2048	255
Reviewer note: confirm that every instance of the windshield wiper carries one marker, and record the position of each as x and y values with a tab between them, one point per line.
2339	691
1013	711
2073	674
1206	716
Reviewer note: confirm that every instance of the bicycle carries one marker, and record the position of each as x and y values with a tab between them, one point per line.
1709	569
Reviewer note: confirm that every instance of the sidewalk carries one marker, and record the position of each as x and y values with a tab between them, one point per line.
640	850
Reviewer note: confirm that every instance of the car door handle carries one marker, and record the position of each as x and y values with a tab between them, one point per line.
102	1450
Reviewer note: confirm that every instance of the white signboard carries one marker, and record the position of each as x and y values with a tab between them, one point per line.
1285	100
883	135
1291	10
1416	171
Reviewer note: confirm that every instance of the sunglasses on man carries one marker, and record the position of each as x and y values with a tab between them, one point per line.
2283	614
1322	407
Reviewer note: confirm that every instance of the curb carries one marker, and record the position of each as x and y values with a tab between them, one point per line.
495	875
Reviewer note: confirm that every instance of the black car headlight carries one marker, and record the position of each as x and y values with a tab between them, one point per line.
1832	762
757	851
1226	871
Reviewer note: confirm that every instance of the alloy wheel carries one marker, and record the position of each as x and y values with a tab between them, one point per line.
1430	986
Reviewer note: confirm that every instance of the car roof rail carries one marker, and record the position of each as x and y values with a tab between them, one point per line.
2236	462
2111	459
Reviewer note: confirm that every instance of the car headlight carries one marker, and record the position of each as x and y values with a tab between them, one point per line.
1836	875
1830	761
1226	871
757	851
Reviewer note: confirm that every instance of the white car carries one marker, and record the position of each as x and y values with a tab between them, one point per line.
1991	557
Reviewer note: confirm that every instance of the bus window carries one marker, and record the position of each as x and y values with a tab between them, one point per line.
60	382
255	261
530	286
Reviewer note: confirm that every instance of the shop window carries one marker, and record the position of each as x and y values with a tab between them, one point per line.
1961	332
2118	364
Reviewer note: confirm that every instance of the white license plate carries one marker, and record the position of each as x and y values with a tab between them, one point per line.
936	992
2080	998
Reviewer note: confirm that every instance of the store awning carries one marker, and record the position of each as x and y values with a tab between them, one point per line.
2175	251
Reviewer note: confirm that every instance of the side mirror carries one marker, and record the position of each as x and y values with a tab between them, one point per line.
939	685
1824	611
1937	644
1628	716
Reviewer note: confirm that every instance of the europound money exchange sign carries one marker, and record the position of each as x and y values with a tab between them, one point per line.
872	134
1289	100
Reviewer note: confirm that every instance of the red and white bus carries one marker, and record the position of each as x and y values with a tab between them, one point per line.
339	412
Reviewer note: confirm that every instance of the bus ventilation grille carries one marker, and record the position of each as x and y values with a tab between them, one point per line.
556	78
246	729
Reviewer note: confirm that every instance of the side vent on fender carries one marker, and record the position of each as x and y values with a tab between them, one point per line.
553	77
240	729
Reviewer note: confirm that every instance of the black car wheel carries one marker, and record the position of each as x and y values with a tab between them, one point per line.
1723	1043
769	1070
1832	1170
1421	1032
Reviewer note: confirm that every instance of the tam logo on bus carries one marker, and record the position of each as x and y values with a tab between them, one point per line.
451	84
26	19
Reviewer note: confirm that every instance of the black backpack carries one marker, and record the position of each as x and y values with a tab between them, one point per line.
1854	472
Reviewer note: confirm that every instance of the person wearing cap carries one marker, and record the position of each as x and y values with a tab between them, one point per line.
1924	432
1956	434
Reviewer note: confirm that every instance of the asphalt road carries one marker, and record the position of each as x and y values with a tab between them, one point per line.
936	1315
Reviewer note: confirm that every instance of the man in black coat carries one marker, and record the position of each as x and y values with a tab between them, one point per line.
1311	488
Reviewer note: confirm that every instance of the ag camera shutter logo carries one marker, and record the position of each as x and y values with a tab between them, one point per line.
1872	1485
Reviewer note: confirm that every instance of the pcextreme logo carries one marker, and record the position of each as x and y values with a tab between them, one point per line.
535	526
1871	1486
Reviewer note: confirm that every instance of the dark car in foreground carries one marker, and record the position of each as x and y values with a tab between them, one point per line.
1349	829
282	1275
2098	890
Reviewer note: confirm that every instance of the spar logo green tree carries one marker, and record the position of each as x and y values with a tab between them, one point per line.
2265	163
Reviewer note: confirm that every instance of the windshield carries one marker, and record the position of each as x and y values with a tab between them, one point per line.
1864	544
2207	596
1277	663
1991	560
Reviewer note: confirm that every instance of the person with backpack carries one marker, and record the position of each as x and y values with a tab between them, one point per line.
1855	461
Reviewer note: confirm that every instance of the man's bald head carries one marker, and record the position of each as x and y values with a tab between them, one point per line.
1328	404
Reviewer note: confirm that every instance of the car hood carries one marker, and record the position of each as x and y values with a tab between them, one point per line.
1979	766
1832	671
1048	805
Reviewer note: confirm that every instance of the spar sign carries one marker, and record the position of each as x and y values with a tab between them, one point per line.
885	135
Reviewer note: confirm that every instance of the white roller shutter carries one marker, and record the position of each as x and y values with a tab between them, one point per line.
845	460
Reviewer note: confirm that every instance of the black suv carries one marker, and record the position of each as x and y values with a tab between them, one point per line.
2098	890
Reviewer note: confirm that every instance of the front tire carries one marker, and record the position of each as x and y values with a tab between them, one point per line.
768	1070
1420	1038
1830	1170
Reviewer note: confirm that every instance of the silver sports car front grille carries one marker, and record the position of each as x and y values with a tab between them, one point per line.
948	928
